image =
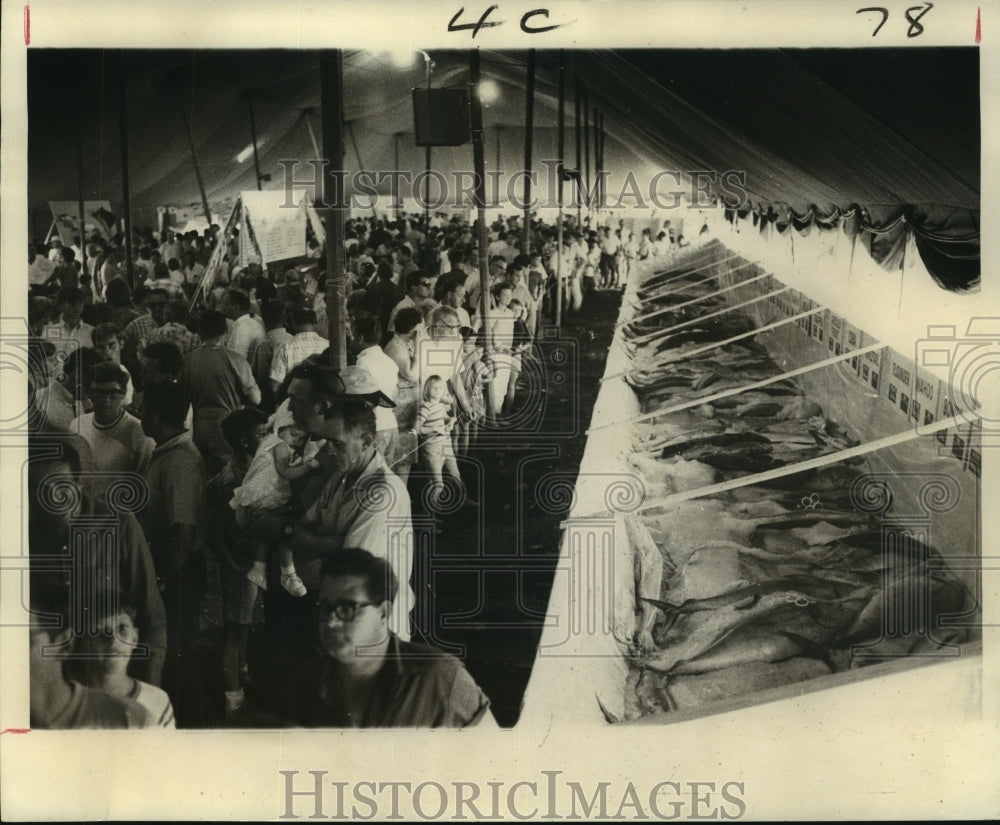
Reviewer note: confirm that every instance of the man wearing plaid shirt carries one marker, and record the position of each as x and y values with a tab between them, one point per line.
304	343
135	337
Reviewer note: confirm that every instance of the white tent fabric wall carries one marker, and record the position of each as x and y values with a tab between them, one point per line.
898	306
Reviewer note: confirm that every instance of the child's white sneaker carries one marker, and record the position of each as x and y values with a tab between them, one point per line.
293	584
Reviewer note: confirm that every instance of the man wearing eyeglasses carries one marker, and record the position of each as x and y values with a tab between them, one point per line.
363	675
418	289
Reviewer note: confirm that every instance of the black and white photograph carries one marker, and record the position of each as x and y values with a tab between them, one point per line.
597	400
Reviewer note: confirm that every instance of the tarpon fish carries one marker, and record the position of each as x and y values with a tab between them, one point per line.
807	518
772	641
713	626
721	439
748	596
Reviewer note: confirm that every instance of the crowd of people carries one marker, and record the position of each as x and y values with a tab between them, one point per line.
201	418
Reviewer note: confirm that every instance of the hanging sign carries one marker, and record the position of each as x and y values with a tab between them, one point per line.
97	217
279	232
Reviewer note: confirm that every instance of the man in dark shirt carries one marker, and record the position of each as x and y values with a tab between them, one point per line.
382	296
217	381
174	522
365	676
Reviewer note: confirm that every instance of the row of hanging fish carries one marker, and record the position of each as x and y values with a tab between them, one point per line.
771	583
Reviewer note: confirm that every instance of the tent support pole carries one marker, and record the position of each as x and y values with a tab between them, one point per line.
586	142
126	191
479	167
561	131
427	190
529	131
604	180
194	159
397	206
597	157
312	134
427	162
334	201
253	138
576	138
79	195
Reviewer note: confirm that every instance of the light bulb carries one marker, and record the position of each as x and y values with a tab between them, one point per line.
489	92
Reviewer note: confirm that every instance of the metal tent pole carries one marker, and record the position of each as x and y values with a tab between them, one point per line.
529	136
126	191
332	97
561	131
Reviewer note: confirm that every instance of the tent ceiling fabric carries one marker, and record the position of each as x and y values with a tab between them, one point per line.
881	128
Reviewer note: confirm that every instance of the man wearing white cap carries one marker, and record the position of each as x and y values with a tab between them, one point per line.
385	375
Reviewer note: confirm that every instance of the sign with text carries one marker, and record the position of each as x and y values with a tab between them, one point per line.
279	232
97	216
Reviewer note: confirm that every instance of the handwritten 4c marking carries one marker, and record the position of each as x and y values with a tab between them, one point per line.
528	25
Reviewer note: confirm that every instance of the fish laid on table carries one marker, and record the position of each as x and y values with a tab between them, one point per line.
724	439
700	631
783	635
695	691
711	570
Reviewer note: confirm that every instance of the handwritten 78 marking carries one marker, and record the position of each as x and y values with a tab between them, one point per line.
916	27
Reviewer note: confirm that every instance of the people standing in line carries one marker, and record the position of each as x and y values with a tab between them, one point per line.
499	337
435	422
263	499
304	343
101	658
609	255
153	304
72	332
174	522
403	349
108	350
261	353
57	703
244	328
115	437
159	363
363	674
125	564
343	515
385	373
174	328
517	277
418	290
520	347
217	381
381	297
243	430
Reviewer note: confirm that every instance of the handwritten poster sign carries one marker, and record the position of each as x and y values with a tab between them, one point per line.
97	216
279	232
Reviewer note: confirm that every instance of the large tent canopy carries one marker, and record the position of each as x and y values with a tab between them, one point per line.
893	130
